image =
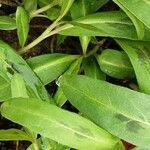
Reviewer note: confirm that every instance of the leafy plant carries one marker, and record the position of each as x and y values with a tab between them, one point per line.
103	85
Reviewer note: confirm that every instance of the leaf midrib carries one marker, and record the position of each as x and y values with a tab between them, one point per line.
107	106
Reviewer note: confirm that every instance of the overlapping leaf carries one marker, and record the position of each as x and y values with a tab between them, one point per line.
50	66
121	111
139	8
10	63
112	24
64	127
139	54
7	23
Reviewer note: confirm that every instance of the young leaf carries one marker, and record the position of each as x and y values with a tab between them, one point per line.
18	88
138	24
74	68
139	54
92	69
115	64
30	5
121	111
13	134
7	23
14	62
45	65
112	24
59	125
22	22
139	8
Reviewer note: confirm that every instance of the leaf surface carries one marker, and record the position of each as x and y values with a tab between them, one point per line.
62	126
22	22
139	54
13	134
121	111
111	24
7	23
48	67
139	8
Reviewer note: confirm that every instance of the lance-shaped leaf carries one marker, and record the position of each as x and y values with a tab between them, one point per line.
121	111
14	134
22	22
139	8
48	144
115	64
59	125
48	67
139	54
138	24
111	24
7	23
12	63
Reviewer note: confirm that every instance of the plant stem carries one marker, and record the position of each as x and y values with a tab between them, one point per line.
35	145
45	8
43	36
96	48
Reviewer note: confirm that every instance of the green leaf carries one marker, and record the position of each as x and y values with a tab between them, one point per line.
65	7
5	90
115	64
121	111
57	124
22	22
92	69
30	5
48	67
7	23
47	144
13	134
85	7
139	54
111	24
74	68
18	88
84	40
138	24
14	63
139	8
